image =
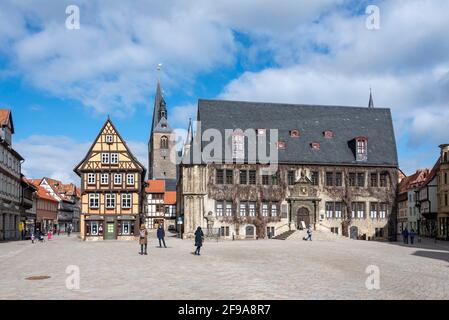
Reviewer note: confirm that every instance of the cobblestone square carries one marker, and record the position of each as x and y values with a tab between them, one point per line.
325	268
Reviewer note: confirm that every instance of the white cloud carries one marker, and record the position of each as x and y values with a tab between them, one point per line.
57	156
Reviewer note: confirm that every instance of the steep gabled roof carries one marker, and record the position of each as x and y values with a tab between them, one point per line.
6	119
413	181
346	123
78	168
155	186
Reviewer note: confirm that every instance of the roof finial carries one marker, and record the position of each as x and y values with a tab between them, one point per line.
371	102
158	68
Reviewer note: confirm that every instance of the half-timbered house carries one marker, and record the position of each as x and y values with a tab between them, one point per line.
111	188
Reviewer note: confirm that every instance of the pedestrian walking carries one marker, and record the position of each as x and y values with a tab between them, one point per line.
49	235
161	236
143	240
69	230
405	236
412	236
32	237
199	238
309	233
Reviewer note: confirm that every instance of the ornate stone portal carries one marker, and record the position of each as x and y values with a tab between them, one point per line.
303	202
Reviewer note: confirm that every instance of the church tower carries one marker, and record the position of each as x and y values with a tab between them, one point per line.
162	142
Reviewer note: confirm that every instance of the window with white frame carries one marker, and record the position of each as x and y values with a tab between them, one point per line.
264	209
274	209
353	210
373	210
105	158
117	178
91	178
127	201
110	201
94	200
238	146
338	208
229	209
360	210
329	210
219	208
104	178
130	179
126	228
109	138
382	211
242	209
114	158
252	209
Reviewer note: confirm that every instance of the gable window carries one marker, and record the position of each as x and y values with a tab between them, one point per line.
361	148
91	178
294	133
94	200
238	146
315	178
104	178
130	179
110	201
281	144
114	158
373	179
109	138
243	176
219	179
164	142
127	201
117	178
105	158
315	145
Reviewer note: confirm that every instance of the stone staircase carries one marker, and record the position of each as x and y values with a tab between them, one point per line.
285	235
317	235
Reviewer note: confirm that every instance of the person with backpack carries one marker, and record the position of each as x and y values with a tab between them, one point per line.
199	238
161	235
143	240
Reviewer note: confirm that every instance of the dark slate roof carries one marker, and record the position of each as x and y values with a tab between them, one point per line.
346	123
170	184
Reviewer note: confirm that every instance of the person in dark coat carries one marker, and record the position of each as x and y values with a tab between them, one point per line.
412	236
161	236
405	235
143	239
199	238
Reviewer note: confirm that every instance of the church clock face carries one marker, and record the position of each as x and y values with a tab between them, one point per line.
303	190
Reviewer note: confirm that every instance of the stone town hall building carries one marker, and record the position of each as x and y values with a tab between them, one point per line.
337	171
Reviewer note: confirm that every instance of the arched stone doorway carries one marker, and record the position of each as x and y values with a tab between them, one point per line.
354	232
249	231
303	214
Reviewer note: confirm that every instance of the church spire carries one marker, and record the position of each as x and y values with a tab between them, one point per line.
160	107
371	102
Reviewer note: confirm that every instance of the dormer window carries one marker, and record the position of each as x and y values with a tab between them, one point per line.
361	144
109	138
281	144
328	134
294	133
261	132
315	145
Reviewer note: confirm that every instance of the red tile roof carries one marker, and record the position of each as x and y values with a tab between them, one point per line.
4	116
170	197
413	181
155	186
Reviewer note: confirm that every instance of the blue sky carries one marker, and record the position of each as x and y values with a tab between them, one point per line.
61	84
